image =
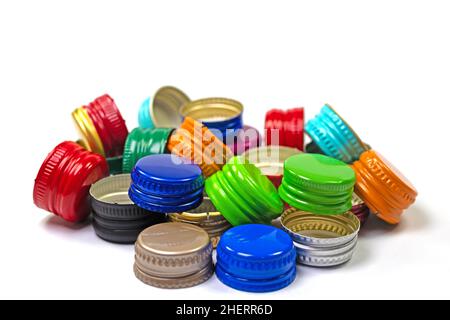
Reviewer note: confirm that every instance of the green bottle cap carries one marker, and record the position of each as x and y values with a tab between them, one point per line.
115	165
143	142
243	195
317	184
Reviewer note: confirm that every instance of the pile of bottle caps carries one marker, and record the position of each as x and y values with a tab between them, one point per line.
193	178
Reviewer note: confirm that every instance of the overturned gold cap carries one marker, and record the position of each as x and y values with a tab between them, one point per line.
173	250
206	217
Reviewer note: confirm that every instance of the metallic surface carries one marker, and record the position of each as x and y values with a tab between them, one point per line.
243	140
166	183
110	125
173	250
243	195
270	160
320	230
196	142
206	217
287	126
256	258
175	283
382	187
334	136
143	142
88	133
216	113
317	183
62	183
165	110
321	241
325	257
115	165
112	190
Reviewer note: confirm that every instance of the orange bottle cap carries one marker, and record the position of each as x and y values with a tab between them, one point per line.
196	142
382	187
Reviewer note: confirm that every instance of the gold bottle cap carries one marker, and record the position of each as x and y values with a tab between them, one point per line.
89	135
212	109
173	250
206	217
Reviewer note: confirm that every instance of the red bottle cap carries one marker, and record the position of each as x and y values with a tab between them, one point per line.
63	181
109	124
288	125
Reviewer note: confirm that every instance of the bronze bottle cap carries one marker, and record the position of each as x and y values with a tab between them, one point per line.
178	251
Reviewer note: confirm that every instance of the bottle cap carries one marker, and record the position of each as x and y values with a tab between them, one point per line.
90	139
256	258
382	187
144	142
171	253
317	184
194	141
360	209
164	110
270	160
62	183
116	218
166	183
243	140
216	113
109	124
334	136
321	241
206	217
115	165
287	125
243	195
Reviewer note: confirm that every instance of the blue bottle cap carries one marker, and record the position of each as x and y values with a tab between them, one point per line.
144	118
256	258
166	183
334	136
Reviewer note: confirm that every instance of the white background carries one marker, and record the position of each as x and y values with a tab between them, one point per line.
384	65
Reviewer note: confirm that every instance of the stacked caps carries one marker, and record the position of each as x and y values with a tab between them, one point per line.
194	141
115	217
206	217
285	128
164	110
270	160
379	184
173	255
320	190
166	183
256	258
102	129
62	183
243	195
144	142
